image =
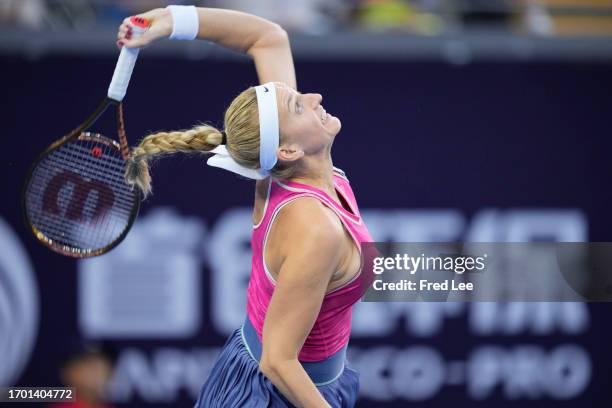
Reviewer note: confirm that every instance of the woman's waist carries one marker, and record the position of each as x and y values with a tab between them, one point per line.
330	332
321	372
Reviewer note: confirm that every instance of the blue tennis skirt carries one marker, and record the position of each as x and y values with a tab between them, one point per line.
236	381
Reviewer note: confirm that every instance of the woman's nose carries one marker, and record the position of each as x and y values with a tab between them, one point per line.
316	98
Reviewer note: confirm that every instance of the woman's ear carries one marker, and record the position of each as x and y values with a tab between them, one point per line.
289	153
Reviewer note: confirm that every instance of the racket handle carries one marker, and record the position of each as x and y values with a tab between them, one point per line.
126	62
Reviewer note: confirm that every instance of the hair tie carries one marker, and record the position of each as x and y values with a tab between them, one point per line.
223	137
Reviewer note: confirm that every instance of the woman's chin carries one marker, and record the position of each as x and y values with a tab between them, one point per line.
334	125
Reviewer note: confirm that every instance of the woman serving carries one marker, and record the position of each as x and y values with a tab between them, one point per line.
307	229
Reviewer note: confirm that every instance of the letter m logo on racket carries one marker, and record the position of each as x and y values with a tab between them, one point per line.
81	194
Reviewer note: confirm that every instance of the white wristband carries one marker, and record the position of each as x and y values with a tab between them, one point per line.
185	22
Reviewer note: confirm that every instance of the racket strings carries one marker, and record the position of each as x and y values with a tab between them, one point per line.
118	174
108	170
120	170
77	196
62	230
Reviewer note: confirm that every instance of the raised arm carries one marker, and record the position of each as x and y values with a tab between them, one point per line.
310	247
266	42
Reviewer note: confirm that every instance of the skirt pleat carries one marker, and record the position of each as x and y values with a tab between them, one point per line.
236	381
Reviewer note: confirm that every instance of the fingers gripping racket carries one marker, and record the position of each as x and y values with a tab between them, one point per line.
75	200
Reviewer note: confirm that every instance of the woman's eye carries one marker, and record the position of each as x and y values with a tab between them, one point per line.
299	108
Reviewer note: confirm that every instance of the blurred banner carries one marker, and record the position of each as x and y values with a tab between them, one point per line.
501	152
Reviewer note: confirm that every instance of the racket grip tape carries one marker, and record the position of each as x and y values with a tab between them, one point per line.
126	62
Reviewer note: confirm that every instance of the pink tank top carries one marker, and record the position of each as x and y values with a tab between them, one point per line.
333	325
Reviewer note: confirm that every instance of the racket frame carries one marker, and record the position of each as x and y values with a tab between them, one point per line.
79	133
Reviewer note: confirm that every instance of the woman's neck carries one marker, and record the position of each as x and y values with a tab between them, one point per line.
317	173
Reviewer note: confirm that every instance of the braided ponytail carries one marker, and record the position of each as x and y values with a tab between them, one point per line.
202	138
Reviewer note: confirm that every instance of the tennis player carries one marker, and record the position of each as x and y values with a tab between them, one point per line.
307	229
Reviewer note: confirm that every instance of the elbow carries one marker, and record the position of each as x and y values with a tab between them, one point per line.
279	34
273	366
268	368
273	37
275	34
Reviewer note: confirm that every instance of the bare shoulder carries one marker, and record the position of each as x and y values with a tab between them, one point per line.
308	221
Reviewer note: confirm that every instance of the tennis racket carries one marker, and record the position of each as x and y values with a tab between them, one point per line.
75	199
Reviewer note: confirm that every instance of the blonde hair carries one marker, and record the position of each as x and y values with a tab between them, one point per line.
242	134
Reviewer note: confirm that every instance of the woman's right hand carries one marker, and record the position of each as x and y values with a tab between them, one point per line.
160	26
